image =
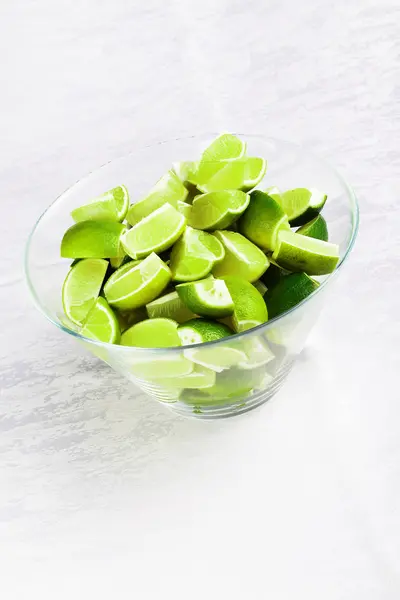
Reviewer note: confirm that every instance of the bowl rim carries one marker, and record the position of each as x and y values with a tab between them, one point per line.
236	336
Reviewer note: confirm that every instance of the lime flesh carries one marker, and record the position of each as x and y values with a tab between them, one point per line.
301	253
82	287
242	257
262	220
101	324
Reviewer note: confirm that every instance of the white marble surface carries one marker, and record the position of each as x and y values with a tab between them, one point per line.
102	492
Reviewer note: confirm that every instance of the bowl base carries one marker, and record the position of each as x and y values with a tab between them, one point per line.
231	409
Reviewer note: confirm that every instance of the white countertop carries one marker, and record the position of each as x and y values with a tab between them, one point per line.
104	493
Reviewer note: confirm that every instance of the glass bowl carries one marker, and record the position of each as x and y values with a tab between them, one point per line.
176	376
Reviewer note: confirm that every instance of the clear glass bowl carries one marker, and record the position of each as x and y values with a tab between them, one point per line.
165	373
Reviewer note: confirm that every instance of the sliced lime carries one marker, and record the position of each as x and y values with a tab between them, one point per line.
291	290
169	306
208	297
93	239
198	331
255	169
168	189
162	367
250	309
258	353
218	210
301	253
302	205
154	233
153	333
194	255
101	324
113	206
199	378
273	274
317	228
185	209
274	192
242	257
216	359
262	221
137	283
82	286
225	147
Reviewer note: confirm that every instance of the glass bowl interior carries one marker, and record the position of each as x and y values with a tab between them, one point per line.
289	166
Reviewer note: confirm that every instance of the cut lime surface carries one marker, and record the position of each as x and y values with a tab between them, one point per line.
199	378
274	192
291	290
249	307
93	239
255	169
153	333
257	352
162	367
301	205
242	257
154	233
301	253
185	209
168	189
101	324
137	283
225	147
169	306
317	228
194	255
262	220
82	287
113	206
218	210
198	331
216	359
208	297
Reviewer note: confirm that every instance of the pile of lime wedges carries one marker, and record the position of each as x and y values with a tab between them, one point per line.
207	253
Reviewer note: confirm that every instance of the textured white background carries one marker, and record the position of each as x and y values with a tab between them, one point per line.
102	492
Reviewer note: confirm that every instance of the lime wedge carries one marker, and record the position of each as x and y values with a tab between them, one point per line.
260	287
250	309
185	170
198	331
216	359
291	290
169	306
262	220
184	208
82	286
93	239
194	255
254	172
301	253
137	283
168	189
153	333
154	233
208	297
274	192
119	261
317	228
113	206
257	352
216	176
162	367
242	257
199	378
101	324
218	210
225	147
302	205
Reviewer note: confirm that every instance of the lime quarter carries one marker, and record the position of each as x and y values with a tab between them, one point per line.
242	257
262	220
301	205
113	205
291	290
296	252
218	210
82	287
93	239
249	307
101	324
153	333
317	228
208	297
